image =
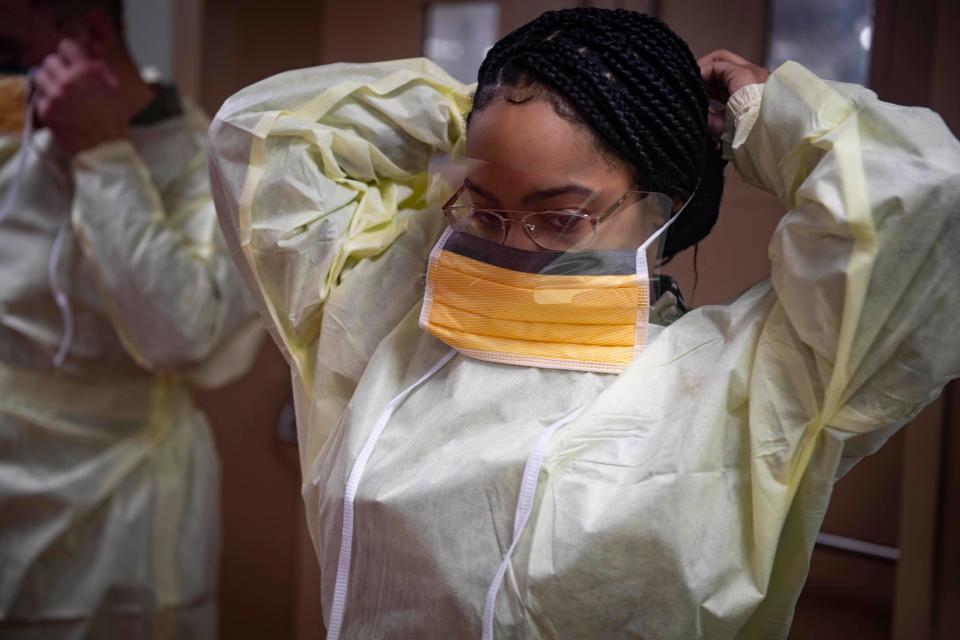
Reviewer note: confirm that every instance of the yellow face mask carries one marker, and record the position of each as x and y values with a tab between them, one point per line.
584	311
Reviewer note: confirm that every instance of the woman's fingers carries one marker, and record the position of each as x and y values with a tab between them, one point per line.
71	51
716	76
723	74
722	55
716	121
53	65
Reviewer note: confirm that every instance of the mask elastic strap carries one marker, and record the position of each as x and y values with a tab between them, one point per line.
59	296
643	271
656	234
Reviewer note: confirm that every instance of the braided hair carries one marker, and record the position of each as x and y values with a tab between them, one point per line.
635	84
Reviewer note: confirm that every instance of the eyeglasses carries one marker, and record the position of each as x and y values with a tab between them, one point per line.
555	230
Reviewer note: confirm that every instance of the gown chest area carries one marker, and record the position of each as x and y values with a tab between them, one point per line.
640	500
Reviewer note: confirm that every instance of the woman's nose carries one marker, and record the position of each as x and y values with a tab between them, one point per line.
517	238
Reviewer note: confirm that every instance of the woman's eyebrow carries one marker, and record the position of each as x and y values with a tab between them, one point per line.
480	192
545	194
536	196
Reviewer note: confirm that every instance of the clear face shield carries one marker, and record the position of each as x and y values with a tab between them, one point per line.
541	270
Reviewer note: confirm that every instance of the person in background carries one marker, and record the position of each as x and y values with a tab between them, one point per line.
117	294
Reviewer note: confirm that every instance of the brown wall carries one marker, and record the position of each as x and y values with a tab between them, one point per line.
947	607
260	498
248	40
391	29
945	88
263	534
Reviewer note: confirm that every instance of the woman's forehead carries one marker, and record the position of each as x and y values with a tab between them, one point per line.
530	136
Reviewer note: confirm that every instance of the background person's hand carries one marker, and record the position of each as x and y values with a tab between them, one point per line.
723	73
78	99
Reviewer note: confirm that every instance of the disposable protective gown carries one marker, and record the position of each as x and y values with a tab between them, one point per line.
684	499
109	495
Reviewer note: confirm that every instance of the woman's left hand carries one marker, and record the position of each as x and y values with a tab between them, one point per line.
723	73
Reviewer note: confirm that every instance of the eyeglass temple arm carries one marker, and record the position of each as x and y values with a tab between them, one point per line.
453	198
616	205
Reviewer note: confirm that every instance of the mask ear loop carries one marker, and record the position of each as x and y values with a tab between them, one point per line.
59	296
663	229
643	272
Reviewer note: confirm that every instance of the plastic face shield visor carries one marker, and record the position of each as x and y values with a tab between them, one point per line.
531	211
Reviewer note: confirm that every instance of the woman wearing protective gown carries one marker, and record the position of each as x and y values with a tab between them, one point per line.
509	425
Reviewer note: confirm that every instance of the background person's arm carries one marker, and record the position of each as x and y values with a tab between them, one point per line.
147	224
161	265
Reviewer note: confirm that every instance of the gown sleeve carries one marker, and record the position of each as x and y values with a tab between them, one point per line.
319	176
146	222
865	264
